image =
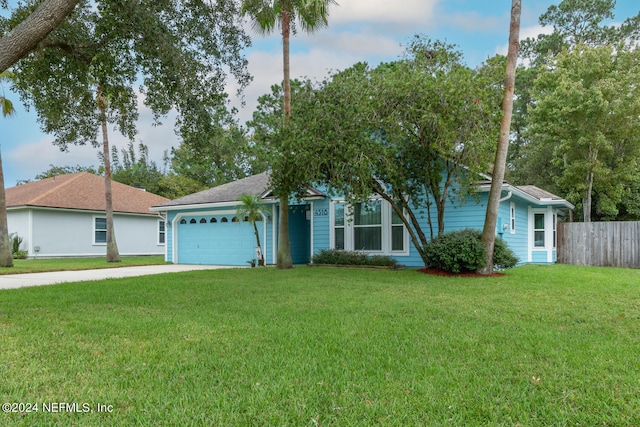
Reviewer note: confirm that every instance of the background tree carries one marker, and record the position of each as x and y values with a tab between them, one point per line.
587	105
225	155
573	22
499	165
136	169
6	257
82	76
285	15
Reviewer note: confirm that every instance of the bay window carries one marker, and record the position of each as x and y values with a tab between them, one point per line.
371	227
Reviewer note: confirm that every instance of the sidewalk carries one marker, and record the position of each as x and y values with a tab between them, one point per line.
13	281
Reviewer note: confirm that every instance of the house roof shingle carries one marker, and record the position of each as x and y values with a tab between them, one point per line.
255	185
538	193
82	191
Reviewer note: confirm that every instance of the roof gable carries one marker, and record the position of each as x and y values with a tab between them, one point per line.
82	191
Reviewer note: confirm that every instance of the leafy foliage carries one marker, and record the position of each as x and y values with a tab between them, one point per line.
342	257
462	251
585	118
365	131
175	52
16	241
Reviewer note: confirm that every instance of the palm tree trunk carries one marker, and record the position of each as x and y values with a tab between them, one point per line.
6	258
112	246
255	230
284	245
499	165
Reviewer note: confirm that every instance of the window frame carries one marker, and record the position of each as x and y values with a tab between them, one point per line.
538	230
386	226
162	232
94	223
512	218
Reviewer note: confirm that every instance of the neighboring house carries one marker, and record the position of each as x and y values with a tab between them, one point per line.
202	229
64	216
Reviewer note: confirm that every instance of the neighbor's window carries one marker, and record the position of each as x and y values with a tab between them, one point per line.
367	226
161	232
339	226
538	230
99	230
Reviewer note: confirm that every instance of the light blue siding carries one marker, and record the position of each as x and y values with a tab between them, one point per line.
321	225
519	241
539	257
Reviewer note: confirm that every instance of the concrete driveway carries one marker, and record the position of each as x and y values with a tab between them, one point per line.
12	281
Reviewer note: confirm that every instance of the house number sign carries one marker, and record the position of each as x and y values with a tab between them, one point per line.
321	212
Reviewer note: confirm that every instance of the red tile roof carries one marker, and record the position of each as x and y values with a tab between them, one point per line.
83	191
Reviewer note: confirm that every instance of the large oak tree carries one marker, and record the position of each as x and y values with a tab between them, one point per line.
90	72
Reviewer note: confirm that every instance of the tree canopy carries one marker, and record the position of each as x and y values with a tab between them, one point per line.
423	124
585	118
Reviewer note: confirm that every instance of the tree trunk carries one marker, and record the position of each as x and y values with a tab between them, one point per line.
112	246
6	257
17	43
284	245
489	231
586	200
261	257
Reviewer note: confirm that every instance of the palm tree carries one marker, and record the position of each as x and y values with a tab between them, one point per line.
6	258
112	247
252	211
269	15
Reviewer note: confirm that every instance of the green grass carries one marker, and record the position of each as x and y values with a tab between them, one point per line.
60	264
541	346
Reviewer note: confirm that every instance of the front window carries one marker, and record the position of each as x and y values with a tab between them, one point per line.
99	230
397	232
367	226
538	230
339	226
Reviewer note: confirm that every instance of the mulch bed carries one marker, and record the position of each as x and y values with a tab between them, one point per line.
436	272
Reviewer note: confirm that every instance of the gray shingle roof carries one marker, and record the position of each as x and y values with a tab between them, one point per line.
254	185
538	193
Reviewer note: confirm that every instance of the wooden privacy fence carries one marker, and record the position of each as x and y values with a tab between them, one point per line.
607	244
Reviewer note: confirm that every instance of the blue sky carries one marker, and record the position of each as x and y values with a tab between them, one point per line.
359	30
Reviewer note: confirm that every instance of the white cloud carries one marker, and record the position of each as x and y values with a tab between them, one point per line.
36	157
382	11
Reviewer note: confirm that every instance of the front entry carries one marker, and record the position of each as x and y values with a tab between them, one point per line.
300	234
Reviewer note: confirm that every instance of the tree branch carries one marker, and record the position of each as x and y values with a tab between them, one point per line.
25	36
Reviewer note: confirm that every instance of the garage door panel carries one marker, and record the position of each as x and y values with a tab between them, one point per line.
215	243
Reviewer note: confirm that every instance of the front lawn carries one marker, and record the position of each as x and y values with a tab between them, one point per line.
541	346
61	264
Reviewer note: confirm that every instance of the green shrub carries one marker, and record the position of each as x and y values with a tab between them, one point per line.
503	256
463	251
341	257
16	241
